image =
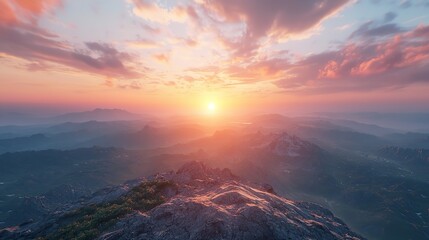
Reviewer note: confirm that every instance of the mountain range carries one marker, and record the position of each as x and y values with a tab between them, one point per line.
98	114
351	168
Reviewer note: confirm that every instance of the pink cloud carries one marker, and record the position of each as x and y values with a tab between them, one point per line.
421	31
37	7
393	62
397	52
26	40
388	62
7	15
20	11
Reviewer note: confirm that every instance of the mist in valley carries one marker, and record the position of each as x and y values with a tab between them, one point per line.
371	176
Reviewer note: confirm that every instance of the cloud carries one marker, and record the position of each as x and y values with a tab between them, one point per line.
7	15
224	43
421	32
19	11
153	12
150	29
406	4
238	26
398	61
37	7
372	29
21	37
275	18
380	28
267	69
389	16
142	43
97	58
161	57
344	27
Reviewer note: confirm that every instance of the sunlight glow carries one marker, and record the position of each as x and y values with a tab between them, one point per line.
211	106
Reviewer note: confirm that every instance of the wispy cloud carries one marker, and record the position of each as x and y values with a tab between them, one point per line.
398	61
20	36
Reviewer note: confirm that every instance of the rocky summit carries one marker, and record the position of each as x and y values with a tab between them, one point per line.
196	202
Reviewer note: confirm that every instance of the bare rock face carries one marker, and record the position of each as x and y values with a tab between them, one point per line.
206	203
213	204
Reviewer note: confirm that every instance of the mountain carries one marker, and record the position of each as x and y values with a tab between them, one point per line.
149	137
410	121
342	124
417	156
14	119
35	141
364	128
9	117
300	169
344	139
390	193
95	115
127	134
102	126
290	146
196	202
26	176
272	120
329	133
409	139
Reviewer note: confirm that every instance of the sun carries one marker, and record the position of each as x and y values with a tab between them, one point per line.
211	106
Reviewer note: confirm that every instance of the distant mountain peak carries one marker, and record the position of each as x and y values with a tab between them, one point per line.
198	170
109	110
289	145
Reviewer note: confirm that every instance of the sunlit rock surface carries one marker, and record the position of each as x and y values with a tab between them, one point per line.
206	203
213	204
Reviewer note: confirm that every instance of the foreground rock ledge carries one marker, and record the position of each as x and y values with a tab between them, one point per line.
206	203
213	204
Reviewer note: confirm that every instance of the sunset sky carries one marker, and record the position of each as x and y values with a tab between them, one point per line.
243	55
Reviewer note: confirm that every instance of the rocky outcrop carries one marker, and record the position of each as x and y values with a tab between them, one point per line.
214	204
207	203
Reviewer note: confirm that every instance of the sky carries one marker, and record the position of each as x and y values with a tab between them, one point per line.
243	55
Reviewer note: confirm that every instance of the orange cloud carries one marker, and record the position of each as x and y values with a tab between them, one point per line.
161	57
151	11
19	11
7	15
142	43
37	7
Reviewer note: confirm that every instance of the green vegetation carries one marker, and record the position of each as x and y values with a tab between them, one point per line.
89	222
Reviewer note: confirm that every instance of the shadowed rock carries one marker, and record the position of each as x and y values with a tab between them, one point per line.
214	204
206	203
